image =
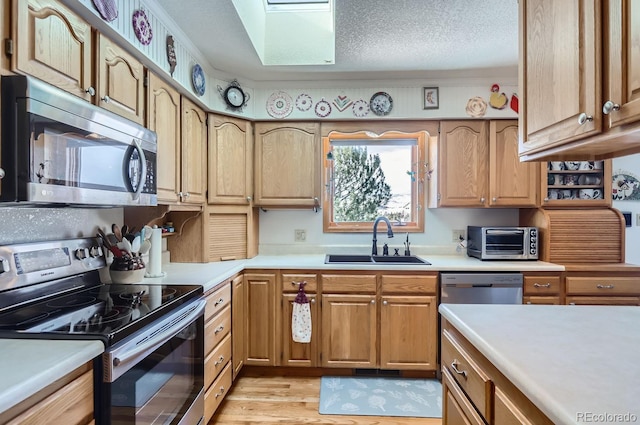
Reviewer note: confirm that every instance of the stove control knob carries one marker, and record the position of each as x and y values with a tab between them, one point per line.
82	253
4	265
96	251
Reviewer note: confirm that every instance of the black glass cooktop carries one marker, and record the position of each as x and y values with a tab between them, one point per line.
109	312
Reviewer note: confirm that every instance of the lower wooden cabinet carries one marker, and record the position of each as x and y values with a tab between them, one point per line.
296	353
239	323
602	289
542	288
456	408
68	402
261	319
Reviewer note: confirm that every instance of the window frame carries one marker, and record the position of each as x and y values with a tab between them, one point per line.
418	187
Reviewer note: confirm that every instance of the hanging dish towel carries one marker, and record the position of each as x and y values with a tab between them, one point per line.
301	317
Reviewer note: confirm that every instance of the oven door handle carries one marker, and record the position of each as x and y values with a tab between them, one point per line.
161	337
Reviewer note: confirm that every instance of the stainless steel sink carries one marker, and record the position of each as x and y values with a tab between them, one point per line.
373	259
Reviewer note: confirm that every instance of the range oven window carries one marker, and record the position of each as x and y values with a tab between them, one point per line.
162	386
67	156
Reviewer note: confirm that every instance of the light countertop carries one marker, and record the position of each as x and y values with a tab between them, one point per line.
568	360
29	365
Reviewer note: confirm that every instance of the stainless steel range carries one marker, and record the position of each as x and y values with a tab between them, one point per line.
152	370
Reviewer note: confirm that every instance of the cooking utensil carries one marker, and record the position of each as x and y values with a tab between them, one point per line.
105	240
145	246
135	244
117	232
146	231
125	230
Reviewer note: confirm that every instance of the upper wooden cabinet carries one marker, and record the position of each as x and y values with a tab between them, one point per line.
579	80
230	161
287	164
194	153
56	45
163	117
478	166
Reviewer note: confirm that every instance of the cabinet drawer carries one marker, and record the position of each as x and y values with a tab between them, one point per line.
216	329
582	300
71	404
541	300
541	285
214	395
344	283
606	286
217	301
290	282
404	284
472	379
216	360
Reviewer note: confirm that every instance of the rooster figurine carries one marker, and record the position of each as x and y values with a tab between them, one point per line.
497	100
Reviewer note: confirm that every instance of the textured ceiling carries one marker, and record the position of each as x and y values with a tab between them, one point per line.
375	39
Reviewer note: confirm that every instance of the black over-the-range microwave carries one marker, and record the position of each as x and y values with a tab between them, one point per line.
60	149
502	243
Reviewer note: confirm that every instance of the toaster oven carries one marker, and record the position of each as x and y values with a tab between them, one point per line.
502	243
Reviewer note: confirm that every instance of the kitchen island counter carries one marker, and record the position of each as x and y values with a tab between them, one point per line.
575	363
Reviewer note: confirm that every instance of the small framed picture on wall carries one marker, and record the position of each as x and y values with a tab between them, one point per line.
431	98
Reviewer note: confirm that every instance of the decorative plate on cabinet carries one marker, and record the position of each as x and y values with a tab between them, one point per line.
234	96
323	108
198	80
171	54
360	108
381	103
279	104
108	9
142	27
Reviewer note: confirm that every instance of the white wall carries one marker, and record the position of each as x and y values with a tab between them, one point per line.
277	231
630	163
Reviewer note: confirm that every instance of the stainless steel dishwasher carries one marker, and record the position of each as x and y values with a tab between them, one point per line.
481	288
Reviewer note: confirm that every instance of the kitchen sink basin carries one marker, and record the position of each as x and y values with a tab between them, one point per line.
373	259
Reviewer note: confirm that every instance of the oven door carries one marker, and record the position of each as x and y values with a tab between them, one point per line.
505	243
157	375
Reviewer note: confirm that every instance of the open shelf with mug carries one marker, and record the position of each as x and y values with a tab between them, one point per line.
576	183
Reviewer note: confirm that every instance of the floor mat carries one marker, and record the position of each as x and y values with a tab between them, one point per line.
380	396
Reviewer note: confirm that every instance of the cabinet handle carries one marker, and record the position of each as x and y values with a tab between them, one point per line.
106	99
494	199
217	303
385	302
91	91
220	361
185	194
546	199
609	106
218	394
373	301
583	118
454	366
542	285
248	198
482	200
1	173
218	330
600	286
313	300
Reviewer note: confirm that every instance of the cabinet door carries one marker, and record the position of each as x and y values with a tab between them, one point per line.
463	164
194	153
230	161
456	407
408	333
511	183
238	323
296	353
261	330
349	331
559	72
54	45
622	62
287	163
120	81
163	117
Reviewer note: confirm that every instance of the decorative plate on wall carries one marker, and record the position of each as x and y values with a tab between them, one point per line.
198	80
142	27
381	103
323	108
171	54
360	108
108	9
303	102
476	107
279	104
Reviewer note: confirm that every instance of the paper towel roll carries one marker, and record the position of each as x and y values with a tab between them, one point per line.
154	268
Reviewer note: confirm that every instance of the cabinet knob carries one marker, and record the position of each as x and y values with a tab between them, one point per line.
546	199
385	302
494	199
1	173
248	198
91	91
105	99
583	118
313	301
482	200
373	301
610	106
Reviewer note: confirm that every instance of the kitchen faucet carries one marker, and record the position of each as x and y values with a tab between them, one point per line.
374	249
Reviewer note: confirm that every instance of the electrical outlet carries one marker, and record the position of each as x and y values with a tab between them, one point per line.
300	235
457	235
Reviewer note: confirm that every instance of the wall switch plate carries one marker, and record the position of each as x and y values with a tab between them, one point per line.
300	235
458	235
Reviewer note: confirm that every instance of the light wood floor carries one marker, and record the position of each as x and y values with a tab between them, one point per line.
288	400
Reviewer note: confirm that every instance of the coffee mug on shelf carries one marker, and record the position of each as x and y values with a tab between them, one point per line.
553	194
551	179
571	179
586	165
567	194
571	165
558	179
598	165
590	194
557	165
589	179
